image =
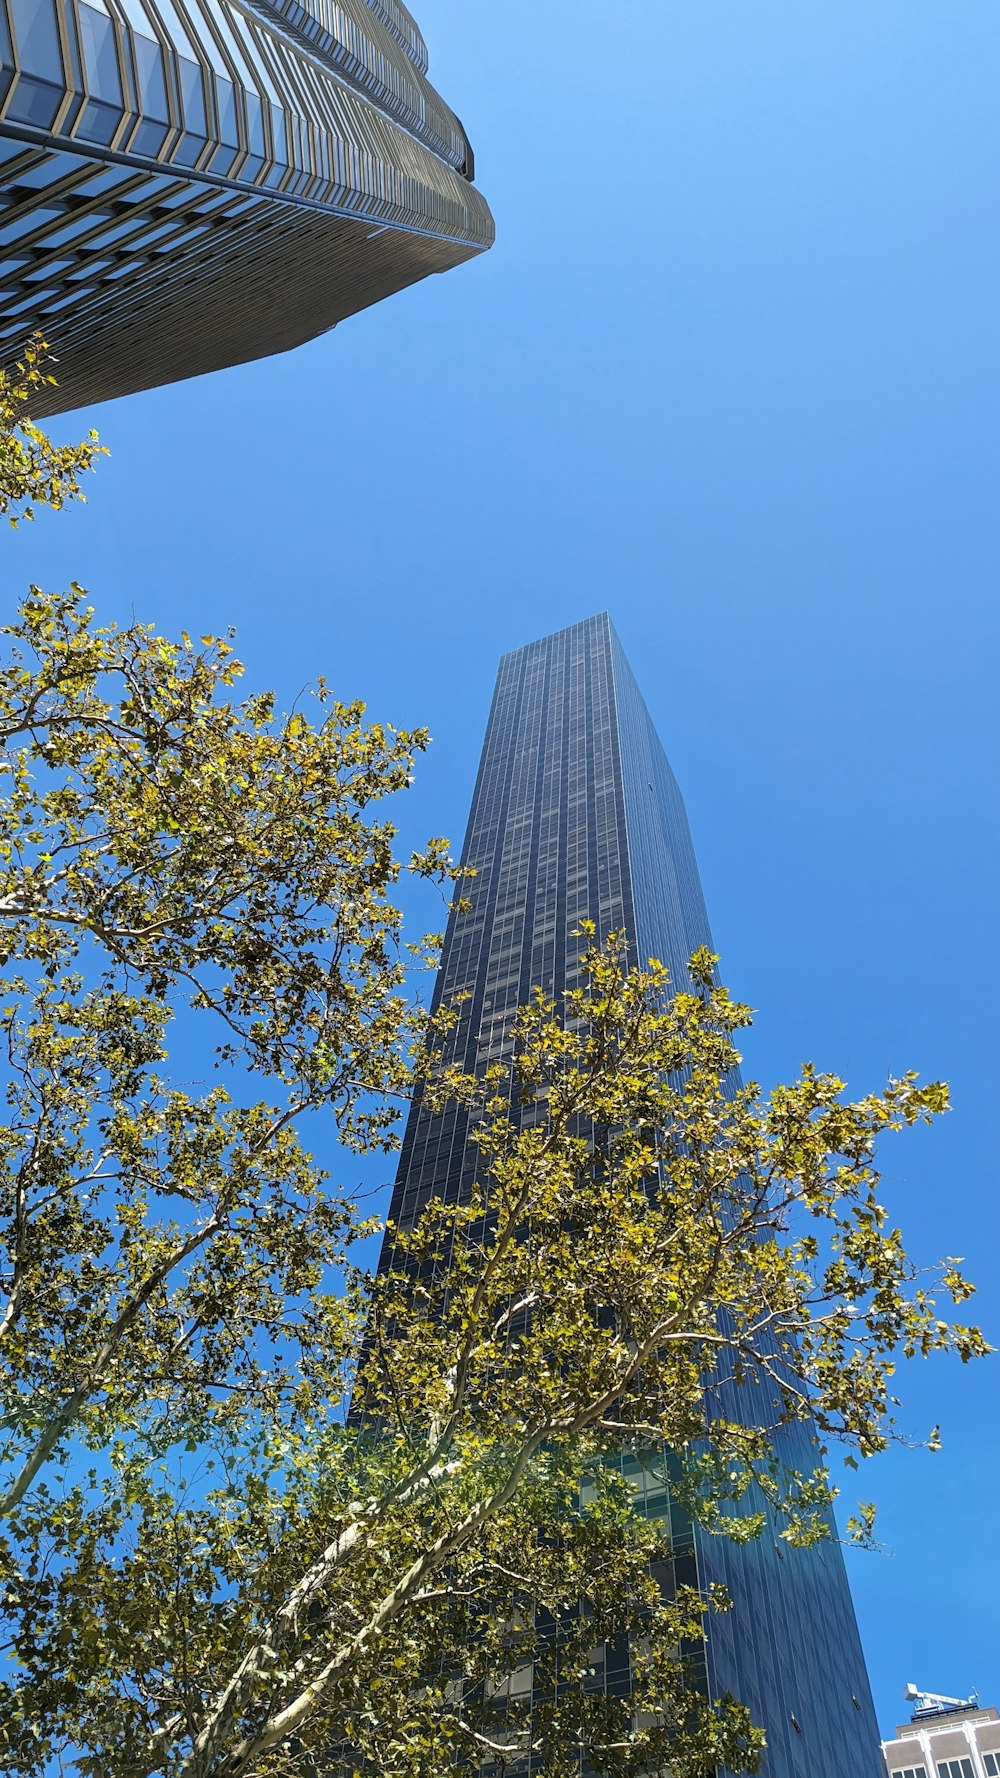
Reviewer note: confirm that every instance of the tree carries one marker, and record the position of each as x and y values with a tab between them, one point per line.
210	1570
31	466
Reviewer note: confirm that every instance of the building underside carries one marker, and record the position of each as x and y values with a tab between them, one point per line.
192	186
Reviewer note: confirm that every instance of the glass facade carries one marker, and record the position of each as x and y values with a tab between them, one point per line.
192	183
576	814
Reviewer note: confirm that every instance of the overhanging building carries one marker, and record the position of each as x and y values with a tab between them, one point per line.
188	184
576	814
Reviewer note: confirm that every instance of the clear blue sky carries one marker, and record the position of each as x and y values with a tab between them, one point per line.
732	371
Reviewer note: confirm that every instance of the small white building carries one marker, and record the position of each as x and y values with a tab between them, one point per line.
945	1738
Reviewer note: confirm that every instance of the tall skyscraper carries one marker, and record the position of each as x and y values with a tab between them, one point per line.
191	185
576	814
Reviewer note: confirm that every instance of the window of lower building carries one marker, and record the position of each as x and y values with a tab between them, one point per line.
955	1768
911	1772
991	1765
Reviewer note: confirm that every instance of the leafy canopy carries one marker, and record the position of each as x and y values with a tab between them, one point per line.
661	1275
32	468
